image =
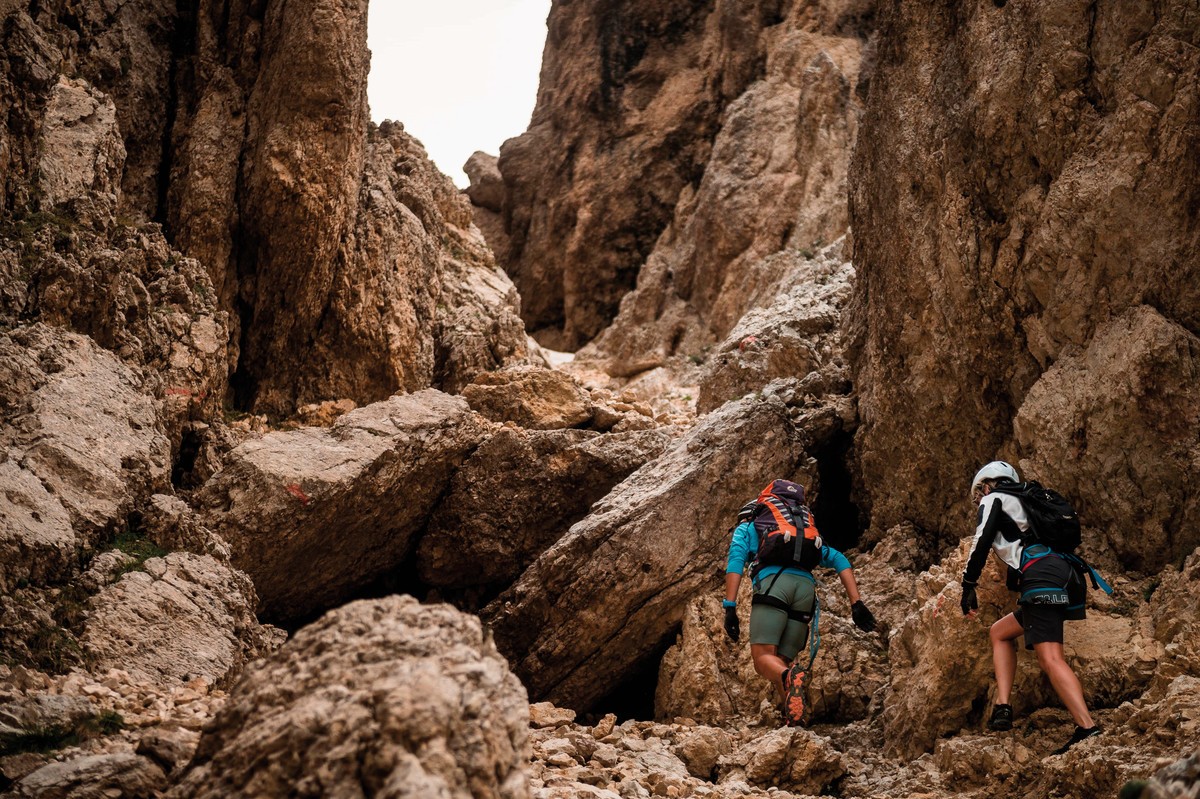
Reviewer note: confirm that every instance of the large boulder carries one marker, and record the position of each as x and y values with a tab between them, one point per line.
792	336
610	594
1116	427
82	448
315	513
532	397
518	493
378	698
177	618
1023	174
793	760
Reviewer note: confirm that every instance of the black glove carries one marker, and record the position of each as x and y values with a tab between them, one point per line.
863	618
732	628
969	601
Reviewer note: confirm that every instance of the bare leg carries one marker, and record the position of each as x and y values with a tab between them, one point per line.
1004	655
1066	684
769	664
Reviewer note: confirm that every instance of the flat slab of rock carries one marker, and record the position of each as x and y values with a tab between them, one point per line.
313	514
180	617
378	698
82	446
121	774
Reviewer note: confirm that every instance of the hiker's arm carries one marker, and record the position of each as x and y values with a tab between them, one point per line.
832	559
733	581
740	550
846	575
985	533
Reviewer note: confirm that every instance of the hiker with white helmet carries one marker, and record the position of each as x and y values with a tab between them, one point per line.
778	534
1050	579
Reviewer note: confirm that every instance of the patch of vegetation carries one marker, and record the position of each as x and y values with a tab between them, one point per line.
54	737
23	232
141	549
54	650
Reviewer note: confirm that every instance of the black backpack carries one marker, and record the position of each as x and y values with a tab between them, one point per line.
1052	520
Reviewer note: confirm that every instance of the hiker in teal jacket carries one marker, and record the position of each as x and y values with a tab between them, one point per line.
785	600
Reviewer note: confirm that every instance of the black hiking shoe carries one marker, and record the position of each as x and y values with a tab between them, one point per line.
1080	735
1001	719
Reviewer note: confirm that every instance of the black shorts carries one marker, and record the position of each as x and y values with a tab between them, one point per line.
1044	623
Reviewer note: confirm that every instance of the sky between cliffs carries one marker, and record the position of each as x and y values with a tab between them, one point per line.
461	75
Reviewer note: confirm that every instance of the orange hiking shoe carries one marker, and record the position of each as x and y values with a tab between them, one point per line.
793	699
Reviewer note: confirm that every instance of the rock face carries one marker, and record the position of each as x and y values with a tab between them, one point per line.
183	616
1123	414
796	334
609	593
117	63
396	699
315	513
623	112
81	150
260	200
351	261
81	448
1048	158
517	494
695	141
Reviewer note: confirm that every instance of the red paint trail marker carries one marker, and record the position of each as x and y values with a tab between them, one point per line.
295	490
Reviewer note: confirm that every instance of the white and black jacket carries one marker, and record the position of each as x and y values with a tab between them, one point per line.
1002	520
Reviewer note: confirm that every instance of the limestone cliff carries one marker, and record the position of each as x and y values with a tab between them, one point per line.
1025	174
632	99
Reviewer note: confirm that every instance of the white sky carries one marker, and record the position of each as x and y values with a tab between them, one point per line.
461	75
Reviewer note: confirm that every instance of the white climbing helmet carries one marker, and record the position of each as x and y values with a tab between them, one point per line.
994	471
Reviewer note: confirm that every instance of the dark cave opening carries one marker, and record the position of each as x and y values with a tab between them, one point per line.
837	515
633	698
190	443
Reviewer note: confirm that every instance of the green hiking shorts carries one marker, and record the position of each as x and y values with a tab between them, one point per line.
771	625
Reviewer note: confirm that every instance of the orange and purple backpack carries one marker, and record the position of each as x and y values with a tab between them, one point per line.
787	532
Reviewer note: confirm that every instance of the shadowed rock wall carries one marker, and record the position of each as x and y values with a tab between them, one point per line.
1025	172
631	96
